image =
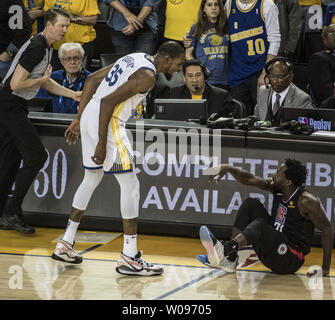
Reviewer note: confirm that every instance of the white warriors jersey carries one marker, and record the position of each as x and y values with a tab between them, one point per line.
122	69
119	154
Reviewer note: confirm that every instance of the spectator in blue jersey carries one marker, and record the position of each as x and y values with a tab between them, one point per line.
72	76
134	26
208	42
255	39
329	15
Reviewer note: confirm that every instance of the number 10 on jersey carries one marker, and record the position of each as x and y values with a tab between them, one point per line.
256	46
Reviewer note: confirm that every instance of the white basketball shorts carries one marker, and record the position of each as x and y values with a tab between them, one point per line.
119	154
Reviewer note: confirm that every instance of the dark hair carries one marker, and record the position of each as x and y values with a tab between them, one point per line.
194	62
52	13
171	48
202	24
296	172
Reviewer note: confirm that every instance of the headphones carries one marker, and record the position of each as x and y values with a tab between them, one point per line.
195	62
271	62
283	59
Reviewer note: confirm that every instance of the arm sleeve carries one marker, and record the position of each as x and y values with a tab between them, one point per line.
295	24
272	26
190	35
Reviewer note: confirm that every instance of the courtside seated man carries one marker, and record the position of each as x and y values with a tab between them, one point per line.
109	97
281	240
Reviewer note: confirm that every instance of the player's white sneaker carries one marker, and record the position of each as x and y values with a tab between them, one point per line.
229	266
64	252
226	265
215	249
137	266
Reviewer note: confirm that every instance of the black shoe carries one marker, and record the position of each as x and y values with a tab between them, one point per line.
15	222
22	226
6	223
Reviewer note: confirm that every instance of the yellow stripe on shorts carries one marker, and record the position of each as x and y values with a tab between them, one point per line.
117	138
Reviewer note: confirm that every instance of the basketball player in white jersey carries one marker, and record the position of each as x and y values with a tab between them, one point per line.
107	102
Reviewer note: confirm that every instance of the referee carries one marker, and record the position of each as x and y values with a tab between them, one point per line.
29	71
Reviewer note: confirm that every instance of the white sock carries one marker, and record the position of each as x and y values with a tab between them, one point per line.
70	232
130	245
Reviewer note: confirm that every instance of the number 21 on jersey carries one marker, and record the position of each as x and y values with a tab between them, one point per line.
114	75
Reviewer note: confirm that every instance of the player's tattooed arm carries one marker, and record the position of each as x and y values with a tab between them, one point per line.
242	176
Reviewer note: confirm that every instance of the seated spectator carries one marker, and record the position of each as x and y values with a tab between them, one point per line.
84	15
329	103
196	87
321	68
279	93
329	15
72	76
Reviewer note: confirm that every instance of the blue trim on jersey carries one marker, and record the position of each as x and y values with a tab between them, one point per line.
121	171
249	42
92	168
146	57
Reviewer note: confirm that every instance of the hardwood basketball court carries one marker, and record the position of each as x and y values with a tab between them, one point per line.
27	272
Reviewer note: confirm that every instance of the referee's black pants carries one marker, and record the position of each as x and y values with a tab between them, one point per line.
18	140
272	247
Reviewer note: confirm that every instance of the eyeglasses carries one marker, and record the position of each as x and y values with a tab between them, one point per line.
74	59
277	77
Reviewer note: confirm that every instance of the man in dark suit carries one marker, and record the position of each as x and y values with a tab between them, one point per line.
279	93
218	100
321	68
329	103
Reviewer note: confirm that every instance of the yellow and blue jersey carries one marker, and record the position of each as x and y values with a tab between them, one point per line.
38	24
248	38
